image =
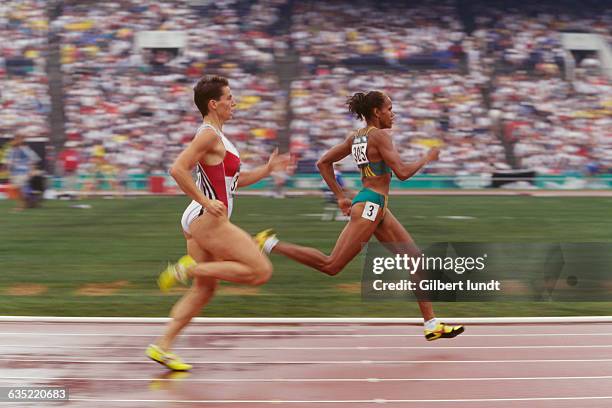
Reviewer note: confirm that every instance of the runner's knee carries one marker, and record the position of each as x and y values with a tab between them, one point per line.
262	272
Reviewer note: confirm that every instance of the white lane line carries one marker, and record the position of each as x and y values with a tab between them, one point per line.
371	401
305	380
297	334
21	346
143	361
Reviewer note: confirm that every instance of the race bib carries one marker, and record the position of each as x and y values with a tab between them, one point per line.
234	185
359	153
370	211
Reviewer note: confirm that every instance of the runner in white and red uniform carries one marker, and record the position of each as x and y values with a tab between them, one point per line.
217	182
216	248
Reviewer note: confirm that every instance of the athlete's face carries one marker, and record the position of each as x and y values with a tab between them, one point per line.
385	114
226	104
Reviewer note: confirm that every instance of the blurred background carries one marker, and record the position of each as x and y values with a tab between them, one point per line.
518	96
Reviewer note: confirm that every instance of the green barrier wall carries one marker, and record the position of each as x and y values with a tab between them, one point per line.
140	182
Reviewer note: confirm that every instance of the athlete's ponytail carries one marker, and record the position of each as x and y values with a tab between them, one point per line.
362	105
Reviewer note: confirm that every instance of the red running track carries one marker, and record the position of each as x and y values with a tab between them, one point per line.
314	365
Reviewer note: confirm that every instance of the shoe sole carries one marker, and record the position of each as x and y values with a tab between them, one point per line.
450	335
165	365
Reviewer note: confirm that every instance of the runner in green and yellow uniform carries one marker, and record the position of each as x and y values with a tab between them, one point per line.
377	158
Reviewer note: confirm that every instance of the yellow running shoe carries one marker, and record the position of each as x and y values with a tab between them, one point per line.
175	273
263	236
443	331
170	360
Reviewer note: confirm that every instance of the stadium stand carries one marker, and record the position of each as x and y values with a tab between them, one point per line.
490	82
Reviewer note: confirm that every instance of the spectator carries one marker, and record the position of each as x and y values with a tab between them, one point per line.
69	160
21	161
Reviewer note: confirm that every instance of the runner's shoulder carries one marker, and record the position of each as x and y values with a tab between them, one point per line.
206	137
377	135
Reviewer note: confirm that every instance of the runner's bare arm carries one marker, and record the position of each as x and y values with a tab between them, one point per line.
390	155
184	164
275	162
326	166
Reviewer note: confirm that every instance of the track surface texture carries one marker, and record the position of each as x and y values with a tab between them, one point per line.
314	365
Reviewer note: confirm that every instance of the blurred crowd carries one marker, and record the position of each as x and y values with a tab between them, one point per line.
129	109
331	32
512	38
24	93
134	110
104	34
555	121
555	125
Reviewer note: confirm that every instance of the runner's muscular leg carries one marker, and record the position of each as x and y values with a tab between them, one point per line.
236	256
357	232
392	233
190	305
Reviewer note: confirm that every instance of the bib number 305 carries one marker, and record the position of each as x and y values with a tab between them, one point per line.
359	153
370	211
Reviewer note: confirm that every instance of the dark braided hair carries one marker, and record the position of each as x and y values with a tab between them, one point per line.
362	105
